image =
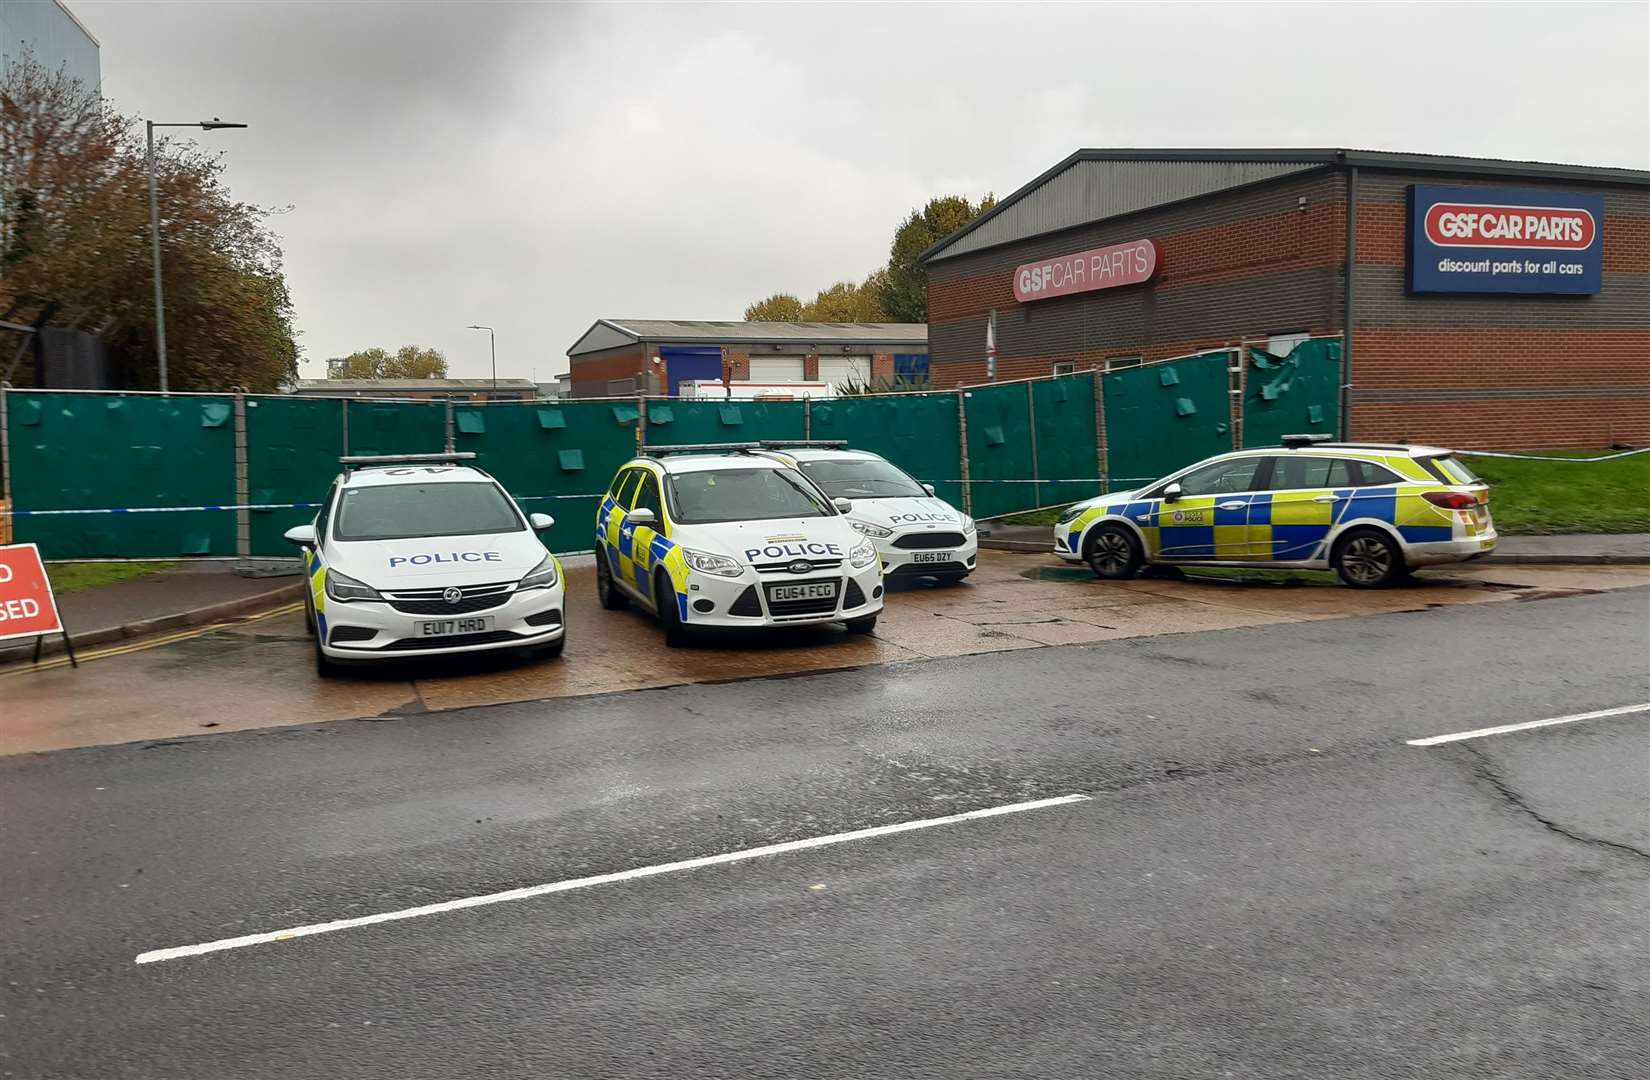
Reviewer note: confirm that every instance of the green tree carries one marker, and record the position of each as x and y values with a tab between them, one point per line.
848	302
905	288
407	362
74	233
780	307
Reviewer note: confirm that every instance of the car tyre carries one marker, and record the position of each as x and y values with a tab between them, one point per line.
664	600
1368	559
606	590
950	579
309	614
550	651
862	626
1113	553
325	666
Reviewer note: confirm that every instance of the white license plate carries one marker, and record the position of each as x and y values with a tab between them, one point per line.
479	624
813	590
932	556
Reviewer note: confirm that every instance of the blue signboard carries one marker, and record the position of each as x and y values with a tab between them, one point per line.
1502	240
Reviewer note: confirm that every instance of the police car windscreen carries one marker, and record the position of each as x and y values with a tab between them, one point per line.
701	498
403	511
863	479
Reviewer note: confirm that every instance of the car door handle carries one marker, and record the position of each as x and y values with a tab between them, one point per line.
1324	498
1142	517
1235	504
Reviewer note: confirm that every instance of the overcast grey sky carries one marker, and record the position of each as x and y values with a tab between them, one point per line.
538	166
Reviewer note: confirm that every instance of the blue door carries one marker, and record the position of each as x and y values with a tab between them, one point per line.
691	363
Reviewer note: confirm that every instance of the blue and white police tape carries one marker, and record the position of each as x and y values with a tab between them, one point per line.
240	506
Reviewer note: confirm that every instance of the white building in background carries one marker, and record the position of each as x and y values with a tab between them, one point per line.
49	32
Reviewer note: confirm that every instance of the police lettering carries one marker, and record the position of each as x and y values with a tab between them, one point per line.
446	557
895	519
791	551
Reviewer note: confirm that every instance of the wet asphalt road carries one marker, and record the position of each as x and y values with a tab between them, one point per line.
1267	882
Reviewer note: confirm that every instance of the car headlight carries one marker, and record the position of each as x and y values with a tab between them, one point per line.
968	524
343	588
543	576
1070	513
707	563
867	529
862	556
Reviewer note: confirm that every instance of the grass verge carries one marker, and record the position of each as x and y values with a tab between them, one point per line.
73	577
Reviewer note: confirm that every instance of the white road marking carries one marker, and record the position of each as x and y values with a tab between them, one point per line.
1528	724
600	879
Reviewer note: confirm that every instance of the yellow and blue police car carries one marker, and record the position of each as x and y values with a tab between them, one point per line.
916	533
1370	511
420	555
723	536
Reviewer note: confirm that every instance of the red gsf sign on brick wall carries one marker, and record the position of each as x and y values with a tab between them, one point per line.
1085	271
26	605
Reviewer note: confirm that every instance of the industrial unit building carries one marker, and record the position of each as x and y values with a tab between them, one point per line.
1493	304
655	356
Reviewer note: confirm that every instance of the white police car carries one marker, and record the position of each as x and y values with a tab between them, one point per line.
915	533
420	555
722	536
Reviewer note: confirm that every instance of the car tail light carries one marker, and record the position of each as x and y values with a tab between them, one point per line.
1451	500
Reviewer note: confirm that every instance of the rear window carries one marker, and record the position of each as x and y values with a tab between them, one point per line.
1449	470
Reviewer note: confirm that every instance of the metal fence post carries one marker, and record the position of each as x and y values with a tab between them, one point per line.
5	444
807	419
343	411
641	422
1100	449
1240	386
1036	476
448	431
962	451
243	483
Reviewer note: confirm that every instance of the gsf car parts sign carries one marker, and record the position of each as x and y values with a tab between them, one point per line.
1501	240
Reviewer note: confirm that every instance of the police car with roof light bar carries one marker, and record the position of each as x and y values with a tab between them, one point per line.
1372	512
916	534
723	536
421	555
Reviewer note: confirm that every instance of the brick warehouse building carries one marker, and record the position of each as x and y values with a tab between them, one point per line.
654	356
1514	314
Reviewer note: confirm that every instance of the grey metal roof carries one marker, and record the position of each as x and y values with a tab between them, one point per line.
1092	185
606	333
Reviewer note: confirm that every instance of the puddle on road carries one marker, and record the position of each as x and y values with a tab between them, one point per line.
1289	579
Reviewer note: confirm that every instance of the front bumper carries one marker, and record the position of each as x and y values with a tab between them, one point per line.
916	562
527	619
1066	537
744	601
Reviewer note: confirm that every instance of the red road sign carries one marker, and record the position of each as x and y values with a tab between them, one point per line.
26	605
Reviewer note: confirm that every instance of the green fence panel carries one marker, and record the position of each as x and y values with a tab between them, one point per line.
1164	416
292	451
1068	460
675	423
1288	395
555	458
1000	459
917	432
83	451
395	427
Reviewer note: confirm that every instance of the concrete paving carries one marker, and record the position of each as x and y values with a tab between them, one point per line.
1266	882
1013	602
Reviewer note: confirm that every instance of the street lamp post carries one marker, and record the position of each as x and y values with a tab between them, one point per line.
493	344
154	232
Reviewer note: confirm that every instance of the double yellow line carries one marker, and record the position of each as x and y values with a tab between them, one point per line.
150	643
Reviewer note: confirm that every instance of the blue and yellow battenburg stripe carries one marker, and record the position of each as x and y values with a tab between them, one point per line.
1284	525
632	554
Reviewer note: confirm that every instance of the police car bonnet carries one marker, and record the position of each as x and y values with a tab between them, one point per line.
905	512
459	560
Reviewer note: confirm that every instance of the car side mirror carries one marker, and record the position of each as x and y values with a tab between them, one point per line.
1172	493
842	505
540	522
641	516
928	488
301	535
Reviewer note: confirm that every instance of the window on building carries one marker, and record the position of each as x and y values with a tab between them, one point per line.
1115	362
1065	367
1283	344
